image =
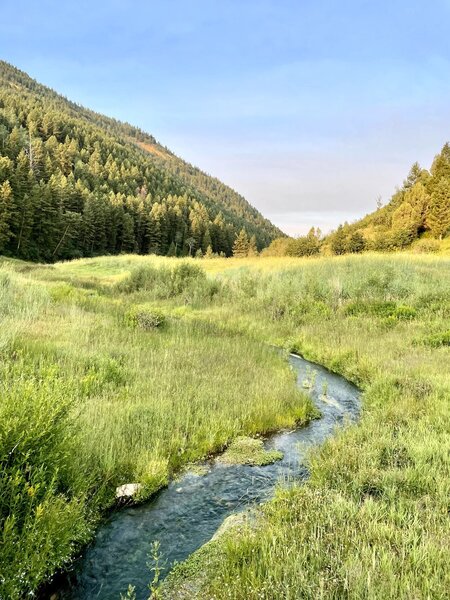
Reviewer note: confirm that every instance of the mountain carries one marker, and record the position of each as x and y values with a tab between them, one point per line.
76	183
419	210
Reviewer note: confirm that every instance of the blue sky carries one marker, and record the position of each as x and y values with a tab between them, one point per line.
311	109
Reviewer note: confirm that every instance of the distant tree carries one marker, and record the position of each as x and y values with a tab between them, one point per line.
209	252
278	247
441	165
128	239
206	240
252	247
172	250
414	176
306	245
199	253
438	213
190	243
241	244
6	201
356	242
339	241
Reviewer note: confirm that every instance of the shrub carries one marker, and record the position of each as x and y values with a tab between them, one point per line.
185	280
184	276
438	339
405	312
144	319
147	278
379	309
426	246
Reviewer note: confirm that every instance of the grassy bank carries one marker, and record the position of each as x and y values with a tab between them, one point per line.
102	385
124	368
372	522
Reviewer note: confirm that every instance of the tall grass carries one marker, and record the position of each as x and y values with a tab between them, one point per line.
92	399
373	520
89	402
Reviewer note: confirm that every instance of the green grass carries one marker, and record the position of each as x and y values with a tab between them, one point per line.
248	451
91	399
372	522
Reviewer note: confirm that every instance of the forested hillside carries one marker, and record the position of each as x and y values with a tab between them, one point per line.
420	209
75	183
418	214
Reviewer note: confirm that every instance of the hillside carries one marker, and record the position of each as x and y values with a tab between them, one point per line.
75	183
419	210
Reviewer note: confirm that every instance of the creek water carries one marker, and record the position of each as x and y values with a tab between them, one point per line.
187	513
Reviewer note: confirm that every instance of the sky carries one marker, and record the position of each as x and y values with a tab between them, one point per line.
312	109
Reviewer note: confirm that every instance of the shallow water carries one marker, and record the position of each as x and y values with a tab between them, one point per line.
187	513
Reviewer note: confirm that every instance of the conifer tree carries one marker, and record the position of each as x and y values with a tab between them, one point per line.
6	200
438	214
356	242
339	241
241	244
252	247
172	250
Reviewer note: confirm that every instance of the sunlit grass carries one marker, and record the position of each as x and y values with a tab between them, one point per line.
105	401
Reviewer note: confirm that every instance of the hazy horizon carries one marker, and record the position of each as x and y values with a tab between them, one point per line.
311	111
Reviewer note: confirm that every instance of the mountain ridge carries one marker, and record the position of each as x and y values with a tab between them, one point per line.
185	210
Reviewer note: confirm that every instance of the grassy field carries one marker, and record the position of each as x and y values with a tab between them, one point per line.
101	388
373	521
122	369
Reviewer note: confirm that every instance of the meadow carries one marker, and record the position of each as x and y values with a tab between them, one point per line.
100	387
122	369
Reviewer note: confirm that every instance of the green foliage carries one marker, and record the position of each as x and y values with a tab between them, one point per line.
339	241
307	245
74	183
438	214
421	207
356	242
144	318
249	451
426	246
438	339
241	245
370	521
88	404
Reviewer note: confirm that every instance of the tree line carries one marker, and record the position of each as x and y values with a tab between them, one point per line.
74	183
419	210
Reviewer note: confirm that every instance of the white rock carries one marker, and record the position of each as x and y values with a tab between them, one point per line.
128	490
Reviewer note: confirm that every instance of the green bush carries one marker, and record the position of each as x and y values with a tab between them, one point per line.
185	281
438	339
426	246
148	278
372	308
405	312
144	318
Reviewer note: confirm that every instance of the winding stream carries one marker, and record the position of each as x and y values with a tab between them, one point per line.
187	513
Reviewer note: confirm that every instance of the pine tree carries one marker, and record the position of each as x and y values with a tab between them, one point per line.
356	242
128	239
206	241
172	250
414	176
438	213
252	247
241	244
339	241
6	200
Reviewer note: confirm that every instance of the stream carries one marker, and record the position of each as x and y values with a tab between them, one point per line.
187	513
